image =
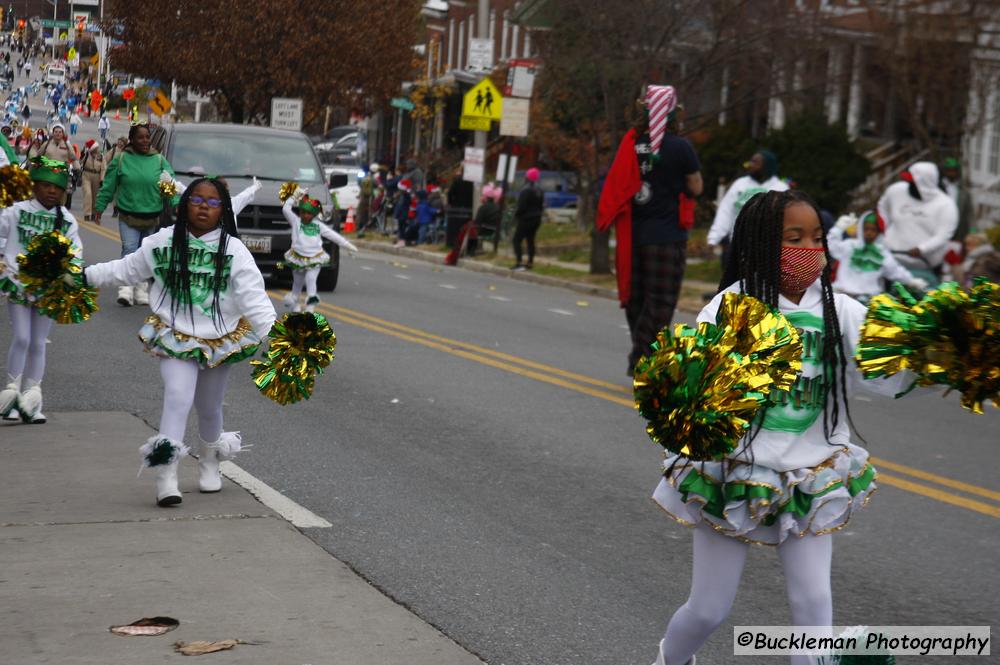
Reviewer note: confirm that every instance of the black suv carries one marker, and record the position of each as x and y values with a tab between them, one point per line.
274	156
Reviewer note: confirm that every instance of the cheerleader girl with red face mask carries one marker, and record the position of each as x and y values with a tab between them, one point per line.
796	477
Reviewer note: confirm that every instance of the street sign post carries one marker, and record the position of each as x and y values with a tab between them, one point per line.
520	78
473	164
401	103
474	123
286	113
480	54
515	117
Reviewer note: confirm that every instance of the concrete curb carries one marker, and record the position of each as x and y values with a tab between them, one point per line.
524	276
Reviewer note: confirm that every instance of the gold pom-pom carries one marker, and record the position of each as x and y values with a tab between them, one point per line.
15	185
301	347
287	190
701	388
168	189
950	337
43	270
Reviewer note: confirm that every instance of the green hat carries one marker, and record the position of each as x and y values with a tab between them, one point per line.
49	170
952	163
310	205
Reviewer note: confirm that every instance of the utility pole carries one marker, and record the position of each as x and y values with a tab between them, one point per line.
479	140
55	29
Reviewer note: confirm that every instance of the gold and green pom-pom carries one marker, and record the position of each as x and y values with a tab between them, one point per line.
301	346
700	388
168	189
950	337
287	190
15	185
42	269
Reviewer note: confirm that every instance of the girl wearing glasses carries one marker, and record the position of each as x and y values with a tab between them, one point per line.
209	310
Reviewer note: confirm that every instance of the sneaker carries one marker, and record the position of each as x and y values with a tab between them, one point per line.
518	267
13	415
37	419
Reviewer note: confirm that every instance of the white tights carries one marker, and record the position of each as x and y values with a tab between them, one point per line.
715	578
185	384
305	278
26	357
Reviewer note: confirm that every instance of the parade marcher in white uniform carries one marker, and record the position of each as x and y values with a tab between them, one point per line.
920	219
30	329
209	310
796	477
306	255
245	198
762	176
865	263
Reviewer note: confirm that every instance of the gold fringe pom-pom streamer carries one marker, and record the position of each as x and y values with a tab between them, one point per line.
15	185
701	388
43	270
301	347
168	189
950	337
287	190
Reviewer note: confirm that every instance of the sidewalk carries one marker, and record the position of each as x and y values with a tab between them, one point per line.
691	291
83	547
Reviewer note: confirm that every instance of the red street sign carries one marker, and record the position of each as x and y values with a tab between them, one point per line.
128	94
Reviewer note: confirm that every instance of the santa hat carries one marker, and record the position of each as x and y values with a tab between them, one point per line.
661	101
406	185
89	145
310	205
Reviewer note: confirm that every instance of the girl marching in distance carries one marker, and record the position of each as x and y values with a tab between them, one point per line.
18	225
307	255
795	477
209	310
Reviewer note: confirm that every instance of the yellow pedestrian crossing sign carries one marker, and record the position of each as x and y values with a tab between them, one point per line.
483	101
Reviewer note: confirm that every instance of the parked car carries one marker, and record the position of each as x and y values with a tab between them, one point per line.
347	165
334	134
559	187
274	156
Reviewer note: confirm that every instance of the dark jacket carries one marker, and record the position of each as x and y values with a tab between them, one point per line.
530	204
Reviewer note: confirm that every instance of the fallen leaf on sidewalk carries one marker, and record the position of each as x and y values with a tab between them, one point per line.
582	303
200	648
148	626
492	288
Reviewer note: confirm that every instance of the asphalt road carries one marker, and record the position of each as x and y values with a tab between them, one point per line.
474	448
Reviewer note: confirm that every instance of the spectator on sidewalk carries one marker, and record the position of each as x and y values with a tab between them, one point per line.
528	217
958	189
103	125
647	197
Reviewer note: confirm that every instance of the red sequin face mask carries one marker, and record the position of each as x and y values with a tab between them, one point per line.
800	267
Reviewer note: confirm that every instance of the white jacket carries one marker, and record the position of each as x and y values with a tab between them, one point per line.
241	296
927	224
732	202
23	221
307	239
862	268
792	434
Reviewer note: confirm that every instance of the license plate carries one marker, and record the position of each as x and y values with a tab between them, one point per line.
258	244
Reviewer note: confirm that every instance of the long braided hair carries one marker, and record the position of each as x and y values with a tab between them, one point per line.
177	280
755	262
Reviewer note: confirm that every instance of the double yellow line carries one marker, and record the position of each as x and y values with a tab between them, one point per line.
621	395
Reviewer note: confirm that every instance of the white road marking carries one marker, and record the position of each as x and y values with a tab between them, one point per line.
401	276
500	298
562	311
448	286
367	268
623	326
273	499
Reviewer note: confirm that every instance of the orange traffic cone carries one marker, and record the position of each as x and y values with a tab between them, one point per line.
349	224
118	115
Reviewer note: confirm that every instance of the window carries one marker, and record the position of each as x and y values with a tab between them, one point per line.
995	147
288	158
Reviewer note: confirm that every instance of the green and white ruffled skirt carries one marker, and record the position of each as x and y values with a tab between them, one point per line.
296	261
164	342
756	504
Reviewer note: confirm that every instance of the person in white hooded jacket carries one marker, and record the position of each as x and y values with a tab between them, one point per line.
209	310
306	256
920	219
796	477
865	263
762	176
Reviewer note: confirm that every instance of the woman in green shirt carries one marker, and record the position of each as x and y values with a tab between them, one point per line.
132	180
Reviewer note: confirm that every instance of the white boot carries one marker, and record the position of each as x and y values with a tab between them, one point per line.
125	296
29	403
661	661
8	397
209	456
141	293
163	454
311	303
290	301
